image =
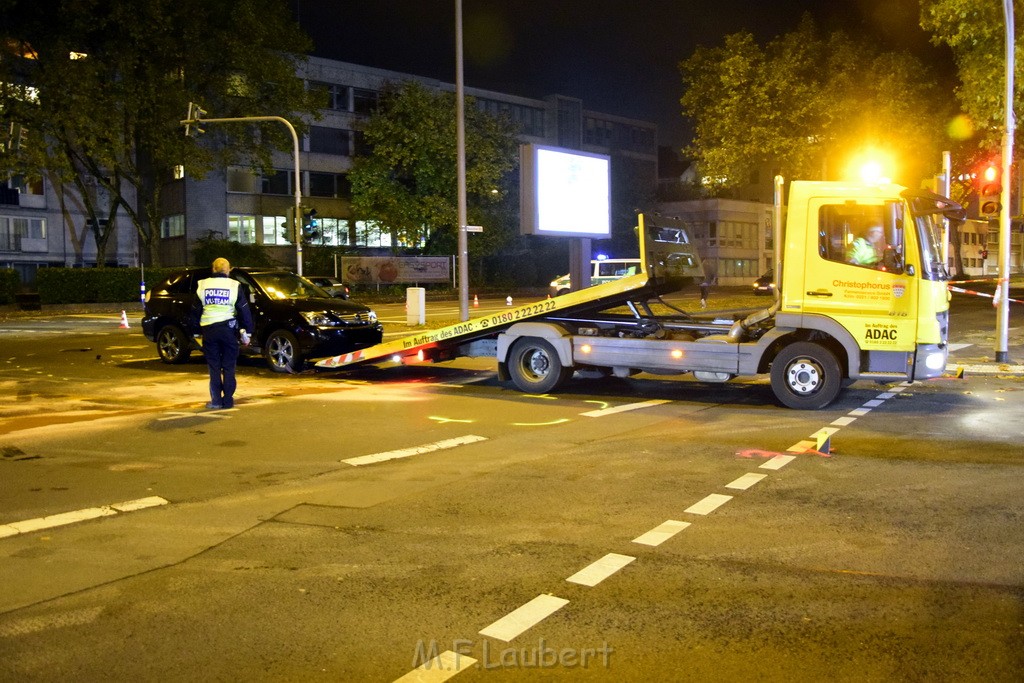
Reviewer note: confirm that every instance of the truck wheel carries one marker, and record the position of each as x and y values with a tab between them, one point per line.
282	352
535	367
173	345
806	376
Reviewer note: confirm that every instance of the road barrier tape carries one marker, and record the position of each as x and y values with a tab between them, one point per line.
996	280
994	297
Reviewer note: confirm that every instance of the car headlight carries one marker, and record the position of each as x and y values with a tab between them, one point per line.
320	319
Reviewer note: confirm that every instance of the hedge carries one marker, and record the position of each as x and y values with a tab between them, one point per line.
94	285
9	285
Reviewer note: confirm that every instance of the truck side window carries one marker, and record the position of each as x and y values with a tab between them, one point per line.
856	234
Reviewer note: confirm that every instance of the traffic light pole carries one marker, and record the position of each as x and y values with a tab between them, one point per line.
1003	285
297	218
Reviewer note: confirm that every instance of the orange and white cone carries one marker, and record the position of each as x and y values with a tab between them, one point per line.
124	320
476	301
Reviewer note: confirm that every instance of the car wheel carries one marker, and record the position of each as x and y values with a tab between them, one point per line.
173	345
535	367
282	352
806	376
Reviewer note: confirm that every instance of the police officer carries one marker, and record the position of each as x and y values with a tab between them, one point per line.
224	316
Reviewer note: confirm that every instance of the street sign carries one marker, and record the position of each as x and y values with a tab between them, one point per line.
474	228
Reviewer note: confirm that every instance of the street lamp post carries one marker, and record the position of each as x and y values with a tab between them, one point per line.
297	218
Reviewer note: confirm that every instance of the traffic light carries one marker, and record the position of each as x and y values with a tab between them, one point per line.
193	119
310	225
288	227
989	189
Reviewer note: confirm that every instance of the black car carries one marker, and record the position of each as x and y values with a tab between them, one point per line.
765	284
295	320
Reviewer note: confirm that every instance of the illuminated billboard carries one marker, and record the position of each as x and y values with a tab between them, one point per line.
564	193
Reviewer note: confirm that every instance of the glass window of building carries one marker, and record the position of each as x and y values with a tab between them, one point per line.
172	226
279	182
364	101
242	228
241	180
325	140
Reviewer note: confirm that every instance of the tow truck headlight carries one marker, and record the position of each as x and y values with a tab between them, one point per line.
936	360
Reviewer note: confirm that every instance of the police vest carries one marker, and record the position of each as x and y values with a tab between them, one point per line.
218	296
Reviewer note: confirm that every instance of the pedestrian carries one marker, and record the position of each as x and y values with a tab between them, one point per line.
223	316
705	286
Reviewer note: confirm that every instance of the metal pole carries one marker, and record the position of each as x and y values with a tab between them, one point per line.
1003	285
947	170
297	231
460	144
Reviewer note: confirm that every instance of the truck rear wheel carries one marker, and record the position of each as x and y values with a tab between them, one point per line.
535	367
806	376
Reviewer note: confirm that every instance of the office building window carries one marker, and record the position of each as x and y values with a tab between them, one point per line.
242	228
364	101
241	180
280	182
329	140
172	226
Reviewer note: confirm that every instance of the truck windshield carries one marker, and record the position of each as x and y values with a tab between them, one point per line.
928	211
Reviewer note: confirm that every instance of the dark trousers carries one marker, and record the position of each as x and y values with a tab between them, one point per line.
220	346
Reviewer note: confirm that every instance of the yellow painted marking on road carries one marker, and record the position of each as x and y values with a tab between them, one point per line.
539	424
603	404
446	420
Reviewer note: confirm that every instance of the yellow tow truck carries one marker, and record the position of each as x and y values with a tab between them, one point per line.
833	320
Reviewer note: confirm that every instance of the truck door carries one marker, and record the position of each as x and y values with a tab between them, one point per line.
856	274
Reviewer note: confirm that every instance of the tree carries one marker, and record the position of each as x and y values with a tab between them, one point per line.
803	103
114	79
407	182
976	33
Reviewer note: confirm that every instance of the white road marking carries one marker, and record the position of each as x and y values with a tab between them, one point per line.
624	408
802	446
661	533
958	347
778	462
415	450
524	618
887	395
600	570
844	421
874	403
709	504
859	412
64	518
438	669
746	481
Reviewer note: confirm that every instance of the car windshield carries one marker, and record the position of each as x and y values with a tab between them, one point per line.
288	286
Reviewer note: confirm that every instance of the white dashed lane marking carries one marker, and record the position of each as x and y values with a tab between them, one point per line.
598	571
524	618
746	481
709	504
65	518
415	450
621	409
661	533
438	669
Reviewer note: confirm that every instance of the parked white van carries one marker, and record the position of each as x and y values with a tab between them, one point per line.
602	270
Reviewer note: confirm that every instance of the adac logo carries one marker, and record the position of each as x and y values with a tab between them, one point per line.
898	289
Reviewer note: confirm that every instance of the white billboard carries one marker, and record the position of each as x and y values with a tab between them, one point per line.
564	193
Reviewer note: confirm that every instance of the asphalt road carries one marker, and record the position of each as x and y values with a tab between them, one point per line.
354	526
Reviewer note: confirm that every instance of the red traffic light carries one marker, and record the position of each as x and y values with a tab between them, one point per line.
989	191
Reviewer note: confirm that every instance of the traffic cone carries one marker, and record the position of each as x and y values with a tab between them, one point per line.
124	320
476	301
508	301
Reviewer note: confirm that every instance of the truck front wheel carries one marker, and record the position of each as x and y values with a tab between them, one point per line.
534	366
806	376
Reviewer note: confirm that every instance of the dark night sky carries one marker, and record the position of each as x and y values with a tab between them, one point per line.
619	56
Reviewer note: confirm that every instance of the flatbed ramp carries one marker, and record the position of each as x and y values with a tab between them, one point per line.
441	344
